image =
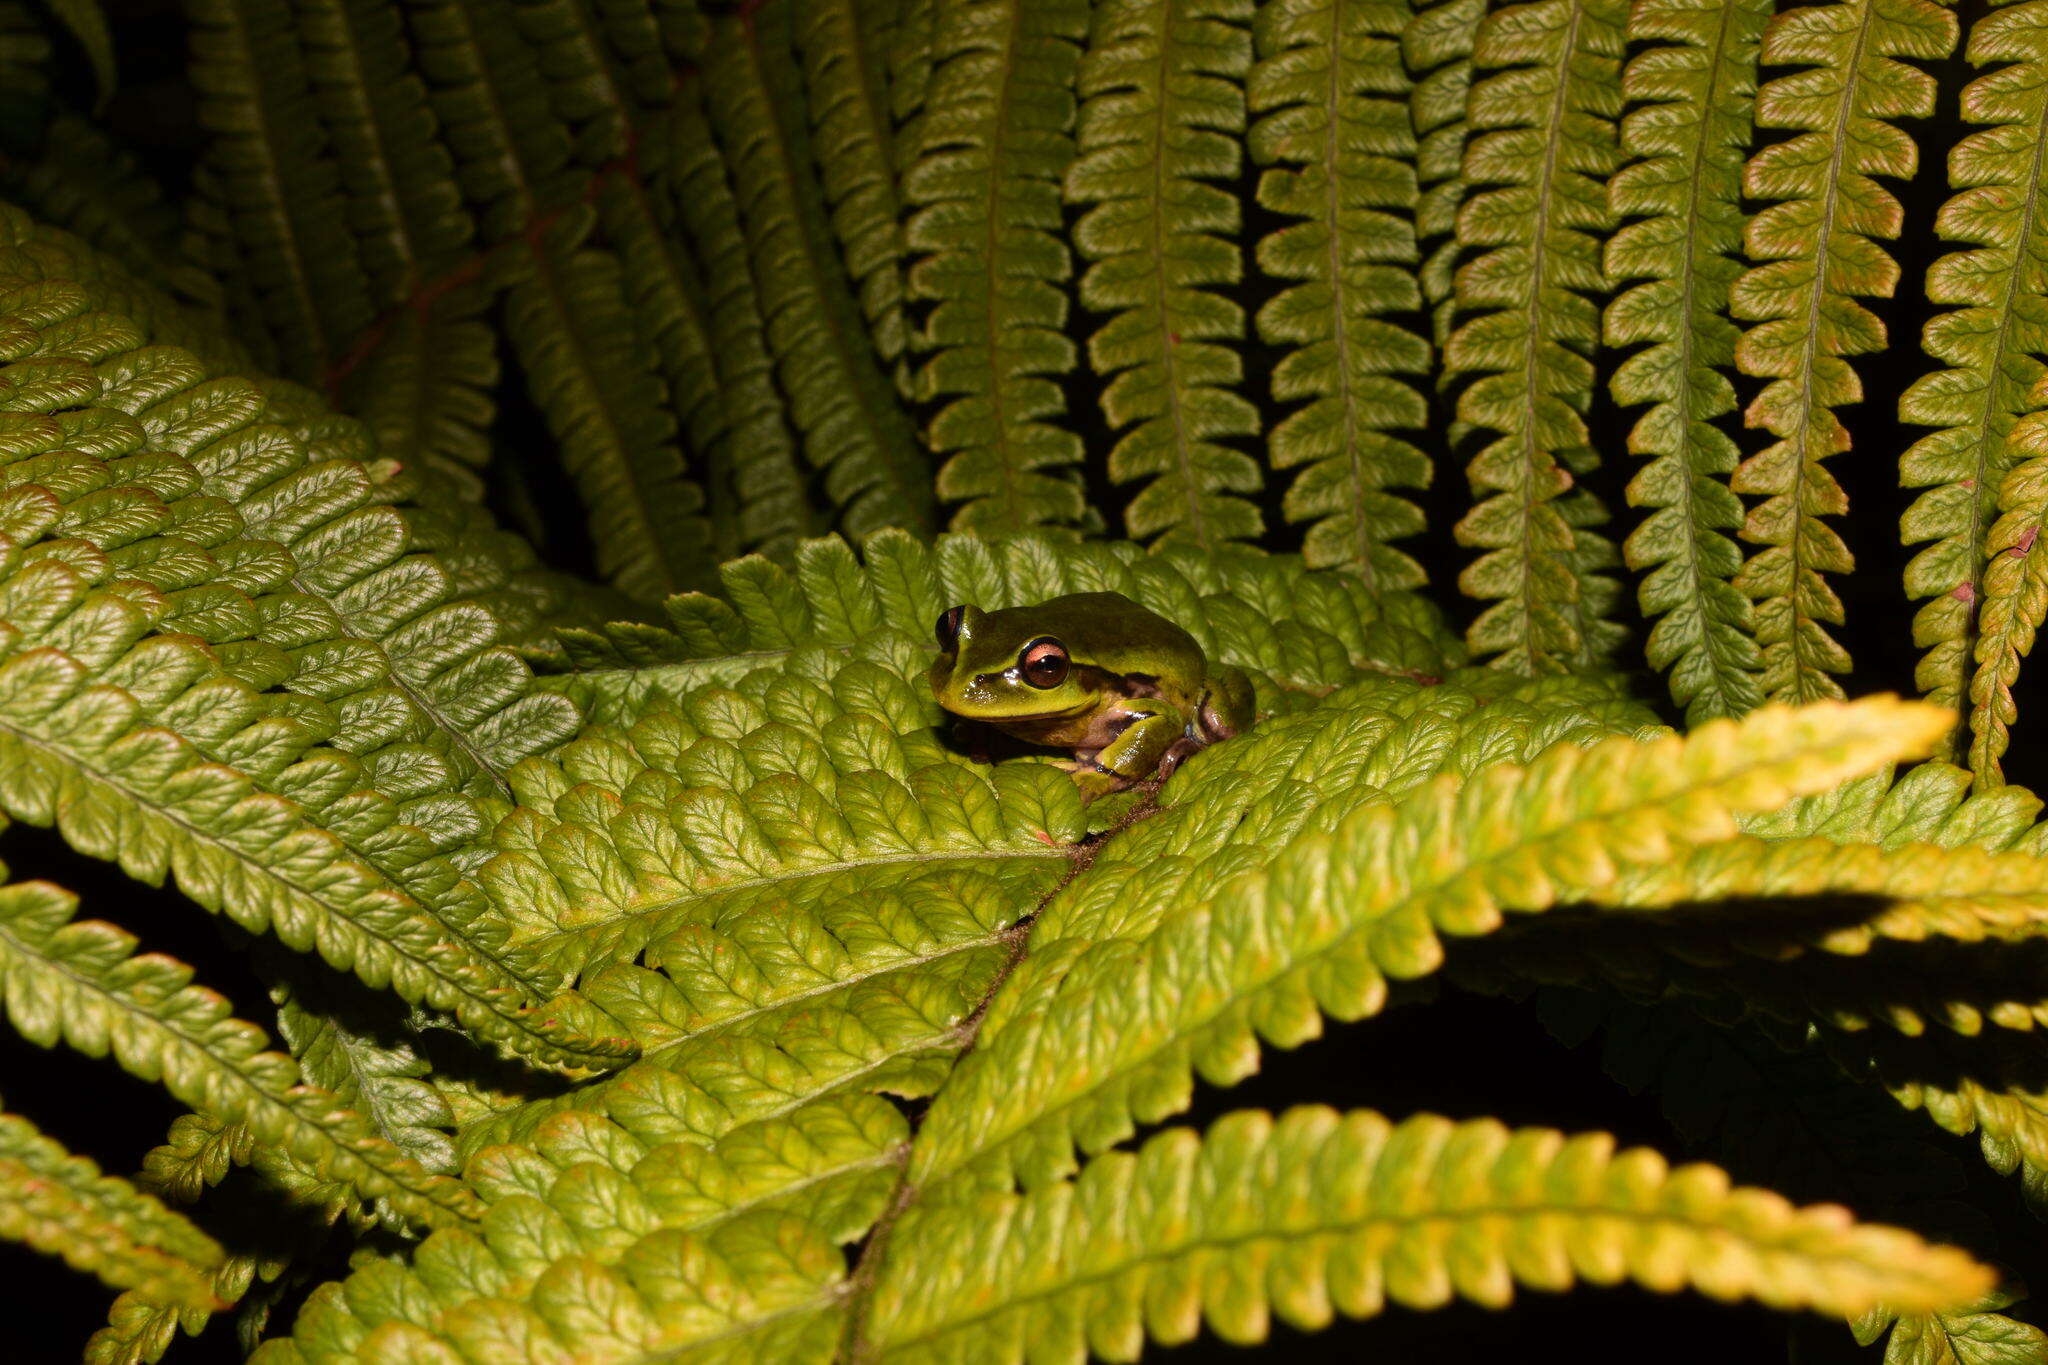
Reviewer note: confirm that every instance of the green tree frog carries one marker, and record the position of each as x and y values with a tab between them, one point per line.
1126	691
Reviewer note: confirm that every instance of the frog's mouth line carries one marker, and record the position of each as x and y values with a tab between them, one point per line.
1046	715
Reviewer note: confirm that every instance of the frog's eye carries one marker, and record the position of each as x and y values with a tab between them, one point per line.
1044	663
948	628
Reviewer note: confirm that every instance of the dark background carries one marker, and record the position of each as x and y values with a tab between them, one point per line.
1462	1055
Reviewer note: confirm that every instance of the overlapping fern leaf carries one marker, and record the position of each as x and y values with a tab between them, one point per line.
1546	91
986	156
1682	189
1817	248
61	1205
1327	88
1989	343
1162	95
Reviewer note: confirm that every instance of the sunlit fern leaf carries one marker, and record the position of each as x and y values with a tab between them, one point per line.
1323	921
281	196
1686	140
1298	632
60	1205
1437	47
79	982
1545	93
753	483
1375	740
656	1243
1330	89
1930	803
2015	589
1319	1213
102	763
848	101
1161	116
855	432
1990	344
983	164
83	181
1816	251
372	628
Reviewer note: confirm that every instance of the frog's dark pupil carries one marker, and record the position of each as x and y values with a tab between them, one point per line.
1044	663
948	629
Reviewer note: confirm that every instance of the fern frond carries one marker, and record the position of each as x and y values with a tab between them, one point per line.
1329	85
1989	344
754	486
2015	589
654	1242
1930	804
85	182
1437	46
1686	142
78	982
1334	914
1318	1213
569	315
340	1047
279	196
1794	1122
808	796
1545	93
849	108
94	714
984	161
1298	633
60	1205
1162	111
1817	253
855	432
421	375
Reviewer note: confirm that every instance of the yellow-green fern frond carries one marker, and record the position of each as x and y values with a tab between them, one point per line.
1318	1213
1990	344
1686	142
1816	251
1340	912
2015	589
79	982
60	1205
984	163
1545	94
1161	116
1329	90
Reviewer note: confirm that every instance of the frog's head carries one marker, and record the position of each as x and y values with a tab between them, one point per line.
1003	665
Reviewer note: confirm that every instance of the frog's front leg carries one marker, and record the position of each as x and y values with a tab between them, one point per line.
1136	751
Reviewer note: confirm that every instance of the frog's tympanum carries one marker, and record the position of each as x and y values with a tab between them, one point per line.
1127	692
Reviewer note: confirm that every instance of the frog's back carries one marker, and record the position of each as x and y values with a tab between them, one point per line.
1124	637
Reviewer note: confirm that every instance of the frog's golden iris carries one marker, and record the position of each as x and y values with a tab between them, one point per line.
1124	690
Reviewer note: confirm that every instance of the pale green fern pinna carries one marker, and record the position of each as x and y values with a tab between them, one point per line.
477	480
